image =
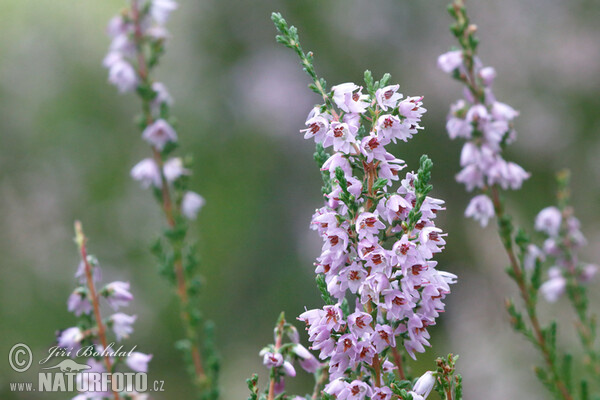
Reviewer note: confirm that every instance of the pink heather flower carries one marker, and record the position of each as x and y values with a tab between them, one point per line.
341	136
191	204
477	114
383	337
70	338
359	323
515	175
147	173
487	75
122	75
458	127
117	26
78	303
412	109
337	160
588	273
348	100
532	255
318	125
173	169
449	61
368	224
122	325
339	93
372	147
555	286
548	221
356	390
161	9
335	386
288	369
424	384
308	362
356	102
138	361
117	294
159	134
388	97
162	96
272	360
481	209
471	176
382	393
112	58
123	45
503	111
390	128
96	272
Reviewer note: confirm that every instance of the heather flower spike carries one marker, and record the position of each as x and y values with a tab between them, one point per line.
139	38
93	330
487	127
376	270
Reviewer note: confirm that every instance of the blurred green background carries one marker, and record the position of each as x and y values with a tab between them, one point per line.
68	142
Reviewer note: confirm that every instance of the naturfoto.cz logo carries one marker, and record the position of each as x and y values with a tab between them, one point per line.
70	376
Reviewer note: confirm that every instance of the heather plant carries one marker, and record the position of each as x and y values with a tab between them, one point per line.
376	272
487	126
90	337
139	37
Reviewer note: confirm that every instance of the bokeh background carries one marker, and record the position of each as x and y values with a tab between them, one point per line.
68	142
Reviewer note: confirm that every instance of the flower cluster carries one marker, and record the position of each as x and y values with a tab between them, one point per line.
89	337
378	243
487	126
138	41
563	240
280	357
146	20
143	25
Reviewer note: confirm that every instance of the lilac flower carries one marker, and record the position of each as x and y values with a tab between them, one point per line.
424	384
318	125
554	287
532	256
480	209
191	204
161	9
481	157
341	136
96	271
122	75
174	169
449	61
368	247
162	96
122	325
70	338
356	390
159	133
387	97
138	361
272	360
147	173
487	75
588	273
548	221
347	99
307	361
117	294
78	303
